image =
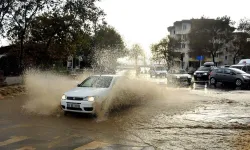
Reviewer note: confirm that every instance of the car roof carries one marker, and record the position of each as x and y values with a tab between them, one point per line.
241	65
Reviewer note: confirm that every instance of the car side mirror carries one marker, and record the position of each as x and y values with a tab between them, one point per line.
232	73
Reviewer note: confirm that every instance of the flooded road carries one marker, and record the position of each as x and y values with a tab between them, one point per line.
185	119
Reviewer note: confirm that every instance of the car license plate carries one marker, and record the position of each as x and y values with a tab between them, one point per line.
72	105
198	75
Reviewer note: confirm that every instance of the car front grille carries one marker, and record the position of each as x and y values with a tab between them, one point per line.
75	98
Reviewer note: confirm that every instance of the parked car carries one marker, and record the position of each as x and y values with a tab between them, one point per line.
179	77
82	98
244	61
158	71
202	74
229	75
242	66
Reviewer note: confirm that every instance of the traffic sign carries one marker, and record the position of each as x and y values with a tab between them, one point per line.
200	58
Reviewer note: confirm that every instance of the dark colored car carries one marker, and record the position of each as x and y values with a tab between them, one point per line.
202	74
229	75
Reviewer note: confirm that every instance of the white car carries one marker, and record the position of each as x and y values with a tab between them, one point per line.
82	98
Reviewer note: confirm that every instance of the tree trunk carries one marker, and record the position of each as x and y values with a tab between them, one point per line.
234	60
213	58
21	53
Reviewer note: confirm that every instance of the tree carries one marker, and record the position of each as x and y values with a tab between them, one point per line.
244	25
5	6
53	25
208	36
166	50
135	52
109	46
238	46
157	55
20	16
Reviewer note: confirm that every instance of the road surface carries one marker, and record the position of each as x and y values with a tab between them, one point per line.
185	119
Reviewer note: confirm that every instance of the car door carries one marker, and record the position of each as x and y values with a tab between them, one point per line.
248	69
228	76
219	74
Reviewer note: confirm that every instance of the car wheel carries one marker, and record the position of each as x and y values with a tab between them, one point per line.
212	81
238	82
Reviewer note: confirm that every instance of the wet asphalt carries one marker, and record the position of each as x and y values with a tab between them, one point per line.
186	119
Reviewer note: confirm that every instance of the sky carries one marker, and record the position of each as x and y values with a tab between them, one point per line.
146	21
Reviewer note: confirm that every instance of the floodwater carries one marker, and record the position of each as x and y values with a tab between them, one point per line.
166	118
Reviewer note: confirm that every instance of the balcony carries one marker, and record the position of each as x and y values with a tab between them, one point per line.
182	31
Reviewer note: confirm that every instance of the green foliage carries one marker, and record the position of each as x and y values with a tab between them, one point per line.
135	52
5	7
108	47
165	50
49	31
244	25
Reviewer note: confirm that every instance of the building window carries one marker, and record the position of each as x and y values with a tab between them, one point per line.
184	37
183	45
184	27
225	57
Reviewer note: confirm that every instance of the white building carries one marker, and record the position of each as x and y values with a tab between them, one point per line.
180	30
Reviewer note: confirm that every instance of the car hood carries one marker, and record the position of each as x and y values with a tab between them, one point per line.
201	71
86	91
246	74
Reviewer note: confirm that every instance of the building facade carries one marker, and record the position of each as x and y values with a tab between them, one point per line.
180	30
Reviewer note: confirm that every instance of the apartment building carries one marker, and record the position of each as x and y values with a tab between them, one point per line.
180	30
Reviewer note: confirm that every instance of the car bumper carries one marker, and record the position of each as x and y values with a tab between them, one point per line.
85	106
246	81
183	80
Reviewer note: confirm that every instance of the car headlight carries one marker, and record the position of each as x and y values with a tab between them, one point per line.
195	73
189	77
246	77
89	98
205	74
64	97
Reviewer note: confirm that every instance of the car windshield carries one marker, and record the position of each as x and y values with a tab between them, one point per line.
238	71
160	68
179	71
202	68
97	82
